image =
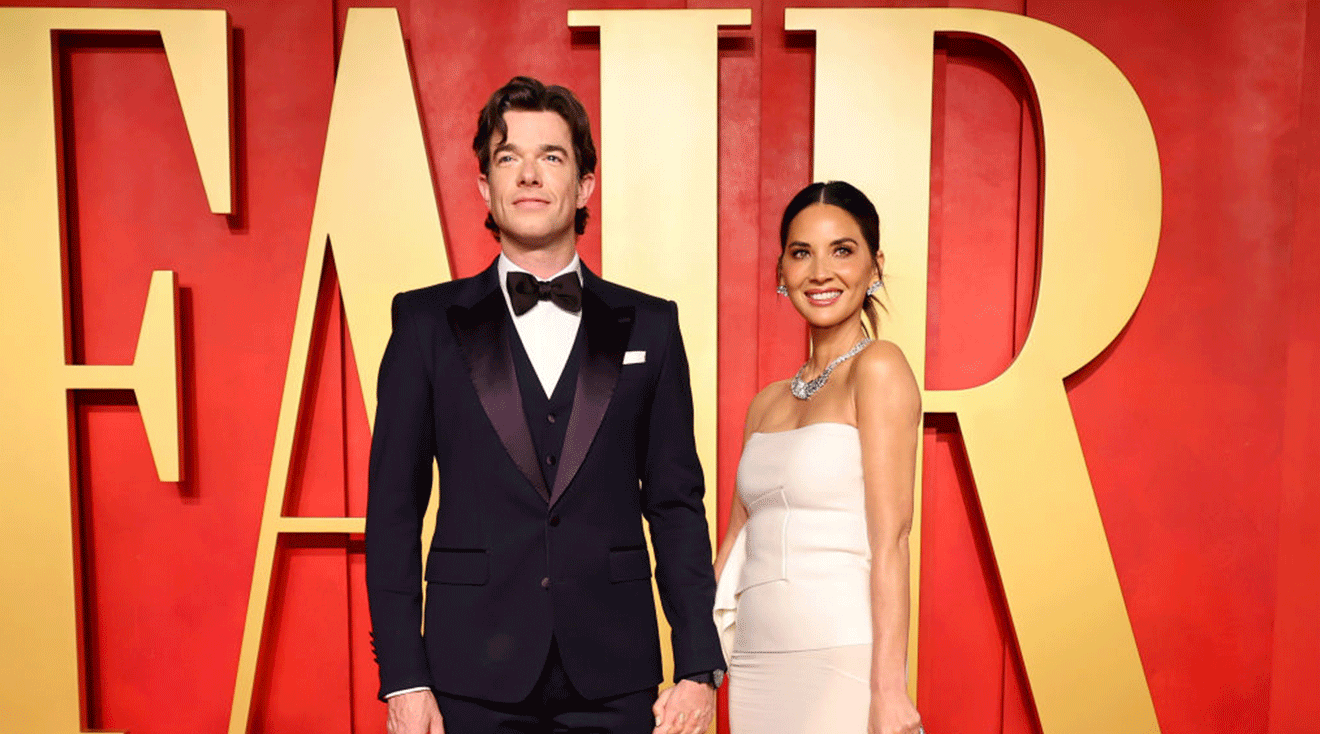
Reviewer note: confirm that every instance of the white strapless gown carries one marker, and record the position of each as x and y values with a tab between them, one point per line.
798	584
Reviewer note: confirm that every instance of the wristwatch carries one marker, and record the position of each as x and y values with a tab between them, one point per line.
713	678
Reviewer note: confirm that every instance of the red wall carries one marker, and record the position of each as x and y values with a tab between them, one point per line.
1199	424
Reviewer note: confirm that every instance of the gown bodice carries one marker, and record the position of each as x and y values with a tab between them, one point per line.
805	581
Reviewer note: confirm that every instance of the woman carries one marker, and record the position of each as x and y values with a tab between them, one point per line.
815	558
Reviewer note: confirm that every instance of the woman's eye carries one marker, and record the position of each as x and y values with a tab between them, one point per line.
843	251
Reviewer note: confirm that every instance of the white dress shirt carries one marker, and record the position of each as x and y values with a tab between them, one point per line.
546	330
547	333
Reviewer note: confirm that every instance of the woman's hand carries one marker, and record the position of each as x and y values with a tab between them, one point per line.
892	712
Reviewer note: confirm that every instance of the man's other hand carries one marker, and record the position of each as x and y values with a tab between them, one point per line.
686	708
414	713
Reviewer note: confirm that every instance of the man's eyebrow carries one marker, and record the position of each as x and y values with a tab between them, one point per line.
547	148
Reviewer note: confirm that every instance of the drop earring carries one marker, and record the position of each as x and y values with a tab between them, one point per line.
782	289
872	288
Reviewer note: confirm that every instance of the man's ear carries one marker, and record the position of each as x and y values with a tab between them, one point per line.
483	185
586	185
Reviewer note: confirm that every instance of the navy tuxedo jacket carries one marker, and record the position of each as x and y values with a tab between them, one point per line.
514	561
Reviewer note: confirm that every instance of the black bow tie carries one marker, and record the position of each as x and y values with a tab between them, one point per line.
525	290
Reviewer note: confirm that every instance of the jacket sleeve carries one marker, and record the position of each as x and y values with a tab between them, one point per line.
672	495
399	486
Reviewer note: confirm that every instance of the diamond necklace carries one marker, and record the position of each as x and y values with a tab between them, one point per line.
803	390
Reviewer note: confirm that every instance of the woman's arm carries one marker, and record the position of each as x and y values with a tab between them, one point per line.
888	404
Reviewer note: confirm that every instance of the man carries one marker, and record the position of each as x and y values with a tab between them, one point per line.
558	410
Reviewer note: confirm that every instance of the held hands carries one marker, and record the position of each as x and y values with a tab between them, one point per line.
892	712
686	708
414	713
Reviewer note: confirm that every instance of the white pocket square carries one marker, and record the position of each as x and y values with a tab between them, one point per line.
634	357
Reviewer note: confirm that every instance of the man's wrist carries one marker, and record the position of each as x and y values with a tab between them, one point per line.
388	696
712	678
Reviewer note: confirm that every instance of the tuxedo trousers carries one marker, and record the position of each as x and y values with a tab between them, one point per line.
554	707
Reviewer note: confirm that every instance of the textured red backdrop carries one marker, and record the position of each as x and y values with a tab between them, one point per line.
1199	424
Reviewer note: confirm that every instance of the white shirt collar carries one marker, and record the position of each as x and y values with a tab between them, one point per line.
504	266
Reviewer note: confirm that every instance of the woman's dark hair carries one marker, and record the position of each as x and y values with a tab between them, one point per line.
850	199
530	95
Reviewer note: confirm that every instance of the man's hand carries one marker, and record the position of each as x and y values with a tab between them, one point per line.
414	713
686	708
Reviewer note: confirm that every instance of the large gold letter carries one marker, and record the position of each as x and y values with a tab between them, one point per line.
1101	221
39	689
374	176
658	143
375	206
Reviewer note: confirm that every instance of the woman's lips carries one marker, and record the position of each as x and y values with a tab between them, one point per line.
824	297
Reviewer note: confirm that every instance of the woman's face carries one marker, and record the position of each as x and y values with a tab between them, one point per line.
826	265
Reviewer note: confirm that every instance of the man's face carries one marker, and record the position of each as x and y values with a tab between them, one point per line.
532	188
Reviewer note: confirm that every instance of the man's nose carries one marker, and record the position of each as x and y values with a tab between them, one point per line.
529	174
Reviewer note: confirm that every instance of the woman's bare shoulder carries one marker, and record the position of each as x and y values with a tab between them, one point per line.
764	401
882	373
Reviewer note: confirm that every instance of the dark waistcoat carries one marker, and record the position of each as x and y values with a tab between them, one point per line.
547	417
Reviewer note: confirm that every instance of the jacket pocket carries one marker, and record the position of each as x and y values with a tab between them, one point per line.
629	564
466	566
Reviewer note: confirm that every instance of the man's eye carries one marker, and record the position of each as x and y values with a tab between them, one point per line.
554	158
506	158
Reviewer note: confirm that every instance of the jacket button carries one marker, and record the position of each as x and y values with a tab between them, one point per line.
551	417
554	521
545	582
550	459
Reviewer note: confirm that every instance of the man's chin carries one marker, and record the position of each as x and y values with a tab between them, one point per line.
534	238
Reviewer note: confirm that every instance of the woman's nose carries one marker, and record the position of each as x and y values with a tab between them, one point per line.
819	271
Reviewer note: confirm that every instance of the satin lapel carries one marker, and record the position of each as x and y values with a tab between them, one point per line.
482	334
606	332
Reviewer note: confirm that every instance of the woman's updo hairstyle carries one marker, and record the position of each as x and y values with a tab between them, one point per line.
850	199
